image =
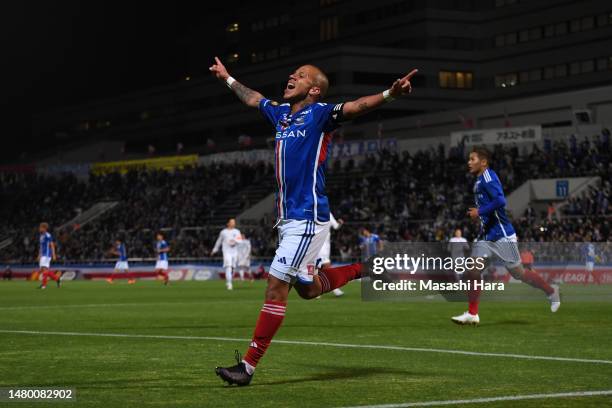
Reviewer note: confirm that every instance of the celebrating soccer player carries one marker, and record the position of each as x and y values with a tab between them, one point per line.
497	237
303	127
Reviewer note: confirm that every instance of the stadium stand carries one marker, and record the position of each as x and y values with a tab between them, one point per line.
418	196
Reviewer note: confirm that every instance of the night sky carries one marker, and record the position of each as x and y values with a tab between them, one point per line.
61	53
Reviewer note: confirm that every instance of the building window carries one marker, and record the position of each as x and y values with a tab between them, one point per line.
523	77
455	80
575	25
500	40
535	34
272	54
232	27
511	38
602	20
506	80
561	71
574	68
549	72
328	28
587	66
549	31
524	36
602	64
587	23
535	75
561	28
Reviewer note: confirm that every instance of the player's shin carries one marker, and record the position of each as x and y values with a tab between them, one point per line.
532	278
270	319
333	278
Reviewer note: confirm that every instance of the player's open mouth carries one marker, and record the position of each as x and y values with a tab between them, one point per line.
290	85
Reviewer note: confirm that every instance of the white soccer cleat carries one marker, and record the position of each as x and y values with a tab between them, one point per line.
229	286
466	318
555	299
338	292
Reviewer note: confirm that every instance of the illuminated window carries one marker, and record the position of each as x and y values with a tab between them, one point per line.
232	27
455	80
506	80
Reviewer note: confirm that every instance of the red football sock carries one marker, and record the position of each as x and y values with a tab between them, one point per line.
333	278
473	300
535	280
270	318
45	278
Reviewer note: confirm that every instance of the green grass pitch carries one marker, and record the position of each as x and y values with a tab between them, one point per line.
134	371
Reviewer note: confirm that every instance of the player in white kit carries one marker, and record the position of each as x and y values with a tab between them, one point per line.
324	260
228	242
244	256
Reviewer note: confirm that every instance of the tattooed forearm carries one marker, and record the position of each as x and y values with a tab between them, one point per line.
363	106
246	95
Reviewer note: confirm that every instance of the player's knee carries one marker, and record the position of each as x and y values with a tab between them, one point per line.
277	290
516	272
307	291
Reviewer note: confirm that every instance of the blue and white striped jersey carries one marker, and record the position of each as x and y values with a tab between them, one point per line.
162	256
302	143
491	204
45	244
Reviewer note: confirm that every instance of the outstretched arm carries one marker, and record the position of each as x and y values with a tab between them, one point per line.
369	103
248	96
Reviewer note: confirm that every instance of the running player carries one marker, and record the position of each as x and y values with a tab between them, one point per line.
324	257
369	243
122	263
163	249
497	237
46	254
227	241
244	257
303	127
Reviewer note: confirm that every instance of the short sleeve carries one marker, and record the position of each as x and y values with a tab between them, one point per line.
270	110
329	115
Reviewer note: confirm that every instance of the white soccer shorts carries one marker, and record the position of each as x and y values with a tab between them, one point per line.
589	266
324	253
45	262
121	266
161	265
230	259
506	249
299	244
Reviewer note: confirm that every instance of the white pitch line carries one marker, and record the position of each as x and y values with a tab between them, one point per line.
86	305
314	343
490	399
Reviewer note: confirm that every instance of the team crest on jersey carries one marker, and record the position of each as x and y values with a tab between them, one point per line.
310	268
299	121
273	103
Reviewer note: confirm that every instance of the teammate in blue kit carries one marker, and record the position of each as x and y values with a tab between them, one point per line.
46	254
121	265
163	249
303	126
497	237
